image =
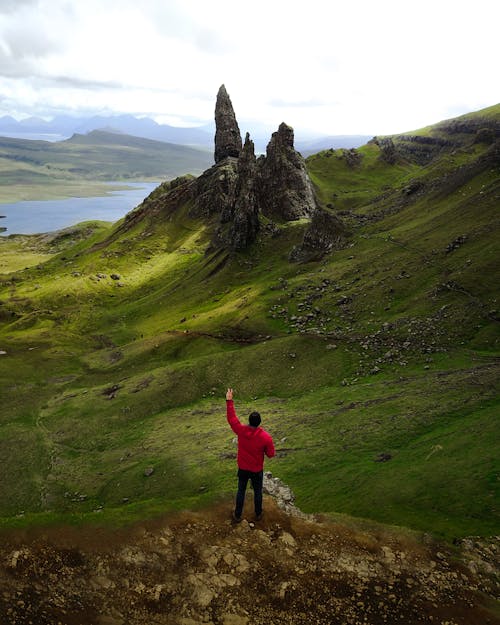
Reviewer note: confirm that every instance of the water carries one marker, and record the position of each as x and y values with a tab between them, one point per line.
32	217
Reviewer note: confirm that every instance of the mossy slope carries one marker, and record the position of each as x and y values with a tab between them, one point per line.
376	369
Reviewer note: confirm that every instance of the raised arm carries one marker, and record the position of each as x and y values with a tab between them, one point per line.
232	419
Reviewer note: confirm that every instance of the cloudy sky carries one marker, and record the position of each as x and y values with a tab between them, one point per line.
329	66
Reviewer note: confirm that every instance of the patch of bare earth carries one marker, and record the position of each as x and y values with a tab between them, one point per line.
198	567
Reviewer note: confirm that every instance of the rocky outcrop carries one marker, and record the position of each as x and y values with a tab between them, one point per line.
325	233
388	152
215	191
197	567
238	189
246	208
285	189
227	132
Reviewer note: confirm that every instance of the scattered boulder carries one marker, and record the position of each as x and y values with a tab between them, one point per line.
456	243
111	391
383	457
283	494
352	157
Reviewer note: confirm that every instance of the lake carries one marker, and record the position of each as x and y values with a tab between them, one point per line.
33	217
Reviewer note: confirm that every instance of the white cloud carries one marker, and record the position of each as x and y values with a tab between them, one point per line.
327	65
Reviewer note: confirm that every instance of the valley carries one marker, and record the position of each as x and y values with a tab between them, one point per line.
369	343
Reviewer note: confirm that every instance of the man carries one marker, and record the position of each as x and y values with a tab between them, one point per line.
253	443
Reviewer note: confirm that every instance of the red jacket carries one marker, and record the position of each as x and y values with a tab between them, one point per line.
253	443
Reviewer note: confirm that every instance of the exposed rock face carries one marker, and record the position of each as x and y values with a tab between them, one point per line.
388	152
246	209
195	567
285	190
227	132
238	188
325	233
215	191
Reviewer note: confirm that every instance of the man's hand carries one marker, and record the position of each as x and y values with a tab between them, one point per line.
229	394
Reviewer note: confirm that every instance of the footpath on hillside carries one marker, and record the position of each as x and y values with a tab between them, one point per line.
198	567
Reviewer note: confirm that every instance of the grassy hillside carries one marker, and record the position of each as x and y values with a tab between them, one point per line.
375	369
78	166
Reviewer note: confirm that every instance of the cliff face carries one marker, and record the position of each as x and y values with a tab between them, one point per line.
285	190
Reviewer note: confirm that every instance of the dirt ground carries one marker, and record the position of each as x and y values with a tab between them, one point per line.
193	568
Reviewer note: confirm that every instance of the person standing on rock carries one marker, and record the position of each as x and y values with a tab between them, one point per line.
253	443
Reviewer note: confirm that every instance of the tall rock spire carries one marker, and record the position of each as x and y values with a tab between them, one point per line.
227	132
285	189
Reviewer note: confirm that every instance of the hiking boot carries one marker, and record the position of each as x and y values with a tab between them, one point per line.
258	517
236	519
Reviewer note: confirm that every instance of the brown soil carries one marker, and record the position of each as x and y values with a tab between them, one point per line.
195	568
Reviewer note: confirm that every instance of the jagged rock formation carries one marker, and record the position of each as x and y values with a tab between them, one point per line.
214	191
233	193
227	132
239	188
246	209
285	190
325	233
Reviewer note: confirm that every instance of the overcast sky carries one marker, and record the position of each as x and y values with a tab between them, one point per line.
330	66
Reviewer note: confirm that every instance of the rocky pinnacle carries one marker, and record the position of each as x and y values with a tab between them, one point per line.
227	132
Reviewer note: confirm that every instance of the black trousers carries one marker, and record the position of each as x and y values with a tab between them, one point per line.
257	480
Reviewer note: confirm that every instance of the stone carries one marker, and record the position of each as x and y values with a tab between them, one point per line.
227	132
215	191
246	209
285	190
149	471
325	233
287	539
383	457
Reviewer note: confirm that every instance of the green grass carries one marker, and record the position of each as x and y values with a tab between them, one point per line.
104	378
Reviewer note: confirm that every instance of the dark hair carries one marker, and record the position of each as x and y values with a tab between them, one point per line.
254	419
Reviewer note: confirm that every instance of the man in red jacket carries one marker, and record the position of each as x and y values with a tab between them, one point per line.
253	443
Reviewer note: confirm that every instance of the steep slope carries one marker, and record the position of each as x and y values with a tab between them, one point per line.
375	366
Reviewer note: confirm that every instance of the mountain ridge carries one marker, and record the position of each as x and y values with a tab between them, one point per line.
62	127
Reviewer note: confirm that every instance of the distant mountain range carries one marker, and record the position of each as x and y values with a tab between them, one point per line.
65	126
